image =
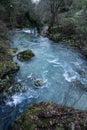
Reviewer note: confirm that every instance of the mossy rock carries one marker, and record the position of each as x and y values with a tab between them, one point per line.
14	89
50	116
5	83
8	68
13	67
38	83
25	55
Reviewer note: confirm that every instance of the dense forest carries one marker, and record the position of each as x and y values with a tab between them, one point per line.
32	32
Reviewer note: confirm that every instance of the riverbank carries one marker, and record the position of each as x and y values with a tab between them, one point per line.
50	116
76	42
7	67
72	29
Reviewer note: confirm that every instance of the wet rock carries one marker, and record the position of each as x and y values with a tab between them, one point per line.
14	89
81	72
38	83
50	116
25	55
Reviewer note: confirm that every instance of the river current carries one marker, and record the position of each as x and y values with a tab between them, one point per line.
61	69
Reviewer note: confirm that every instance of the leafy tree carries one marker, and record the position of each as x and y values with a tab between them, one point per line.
56	7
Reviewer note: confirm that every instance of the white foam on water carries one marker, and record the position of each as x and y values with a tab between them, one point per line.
45	81
20	97
68	77
54	61
19	80
29	31
83	81
45	72
26	31
29	76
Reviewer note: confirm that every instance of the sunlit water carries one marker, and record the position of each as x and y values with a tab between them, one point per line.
62	70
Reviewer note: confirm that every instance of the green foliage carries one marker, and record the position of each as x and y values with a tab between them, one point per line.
68	26
80	4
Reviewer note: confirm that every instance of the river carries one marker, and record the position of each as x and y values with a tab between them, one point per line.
61	69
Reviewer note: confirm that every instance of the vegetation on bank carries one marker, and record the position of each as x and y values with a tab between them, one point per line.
7	66
72	27
50	116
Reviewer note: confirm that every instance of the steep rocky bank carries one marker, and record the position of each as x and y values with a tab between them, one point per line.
7	66
50	116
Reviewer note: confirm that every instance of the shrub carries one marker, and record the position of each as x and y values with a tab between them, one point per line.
68	26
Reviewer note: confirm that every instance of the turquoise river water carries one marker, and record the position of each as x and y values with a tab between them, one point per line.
61	69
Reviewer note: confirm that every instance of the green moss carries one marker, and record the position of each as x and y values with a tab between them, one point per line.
14	66
25	55
5	83
58	128
1	66
35	110
10	67
45	123
50	116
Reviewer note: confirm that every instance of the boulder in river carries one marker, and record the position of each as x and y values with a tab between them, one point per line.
25	55
38	83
